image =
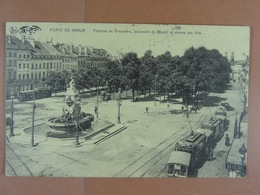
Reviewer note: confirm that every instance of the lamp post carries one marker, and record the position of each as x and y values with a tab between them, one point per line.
76	113
33	113
119	104
12	116
155	85
242	150
193	95
96	109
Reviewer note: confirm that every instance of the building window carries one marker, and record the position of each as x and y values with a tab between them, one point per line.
32	66
15	54
28	66
40	66
20	66
31	75
19	76
15	62
10	63
47	65
23	76
50	65
43	65
35	76
24	56
20	56
9	75
27	76
28	56
23	65
43	74
36	66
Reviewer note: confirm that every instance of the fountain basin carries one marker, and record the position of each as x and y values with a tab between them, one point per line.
58	124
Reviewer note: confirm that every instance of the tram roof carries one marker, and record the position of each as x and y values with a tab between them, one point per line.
206	132
179	157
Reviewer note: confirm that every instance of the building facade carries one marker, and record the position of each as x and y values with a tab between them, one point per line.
29	62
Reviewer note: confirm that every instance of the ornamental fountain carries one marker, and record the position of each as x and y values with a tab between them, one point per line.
67	122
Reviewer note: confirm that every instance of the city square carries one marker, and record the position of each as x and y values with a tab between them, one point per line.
135	108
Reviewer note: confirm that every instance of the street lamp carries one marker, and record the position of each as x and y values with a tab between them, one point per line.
242	150
155	85
96	108
119	104
193	95
77	113
12	116
33	113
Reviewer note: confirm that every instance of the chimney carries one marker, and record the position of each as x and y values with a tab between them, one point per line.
31	41
83	51
80	50
71	47
91	49
9	39
23	39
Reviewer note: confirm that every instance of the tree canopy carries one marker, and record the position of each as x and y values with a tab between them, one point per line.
199	69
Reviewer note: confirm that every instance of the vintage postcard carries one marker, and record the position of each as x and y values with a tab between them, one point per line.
126	100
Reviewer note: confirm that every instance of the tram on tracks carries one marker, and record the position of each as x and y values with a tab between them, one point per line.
193	150
188	151
221	113
37	93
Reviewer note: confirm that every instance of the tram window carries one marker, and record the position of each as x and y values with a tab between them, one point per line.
170	169
177	167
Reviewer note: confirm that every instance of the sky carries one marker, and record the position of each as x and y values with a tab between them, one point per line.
123	38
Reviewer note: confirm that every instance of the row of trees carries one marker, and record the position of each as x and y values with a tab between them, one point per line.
197	70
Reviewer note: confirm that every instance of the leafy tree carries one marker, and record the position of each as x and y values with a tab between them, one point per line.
131	64
57	80
113	75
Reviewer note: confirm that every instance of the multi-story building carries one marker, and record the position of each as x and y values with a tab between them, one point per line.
29	62
18	62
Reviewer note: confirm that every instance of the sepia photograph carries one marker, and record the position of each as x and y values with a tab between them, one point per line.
126	100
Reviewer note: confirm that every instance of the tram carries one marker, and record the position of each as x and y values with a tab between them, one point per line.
37	93
191	151
214	124
221	113
188	152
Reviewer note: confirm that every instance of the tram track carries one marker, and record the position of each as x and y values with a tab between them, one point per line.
134	169
9	169
167	153
18	167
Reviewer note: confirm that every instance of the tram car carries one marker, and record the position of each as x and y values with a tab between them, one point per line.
37	93
214	124
221	113
188	153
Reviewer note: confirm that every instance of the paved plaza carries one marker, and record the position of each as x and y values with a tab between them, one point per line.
140	150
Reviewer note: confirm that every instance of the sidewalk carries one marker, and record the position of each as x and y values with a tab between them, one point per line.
217	167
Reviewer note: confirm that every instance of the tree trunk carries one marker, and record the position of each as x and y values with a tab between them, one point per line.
133	94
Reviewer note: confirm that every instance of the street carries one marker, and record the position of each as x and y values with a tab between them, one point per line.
141	150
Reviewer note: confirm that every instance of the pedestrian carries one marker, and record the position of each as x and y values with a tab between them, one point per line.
182	108
96	109
187	114
227	140
211	154
146	109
